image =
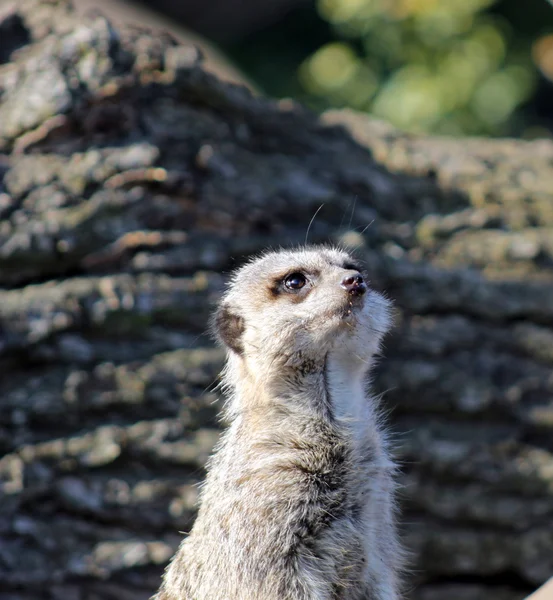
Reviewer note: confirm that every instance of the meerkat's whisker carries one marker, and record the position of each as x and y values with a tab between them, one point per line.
366	227
311	222
352	212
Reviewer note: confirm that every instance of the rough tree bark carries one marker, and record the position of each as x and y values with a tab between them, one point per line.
130	182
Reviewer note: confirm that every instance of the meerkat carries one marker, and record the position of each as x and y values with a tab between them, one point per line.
298	503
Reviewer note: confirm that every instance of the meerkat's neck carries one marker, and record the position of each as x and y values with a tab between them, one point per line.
333	392
346	386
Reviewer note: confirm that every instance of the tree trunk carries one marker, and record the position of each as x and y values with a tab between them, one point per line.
131	181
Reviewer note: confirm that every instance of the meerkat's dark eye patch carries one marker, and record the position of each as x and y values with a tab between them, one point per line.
229	327
295	281
352	266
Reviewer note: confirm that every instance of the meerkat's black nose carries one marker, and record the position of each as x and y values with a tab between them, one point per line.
354	284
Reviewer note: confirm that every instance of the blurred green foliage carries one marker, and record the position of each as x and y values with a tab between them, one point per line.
458	67
447	66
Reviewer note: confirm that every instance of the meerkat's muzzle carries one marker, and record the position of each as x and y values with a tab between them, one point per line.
355	288
354	284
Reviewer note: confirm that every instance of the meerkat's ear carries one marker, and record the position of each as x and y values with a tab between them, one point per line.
229	328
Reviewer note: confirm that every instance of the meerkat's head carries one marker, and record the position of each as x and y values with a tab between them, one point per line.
292	308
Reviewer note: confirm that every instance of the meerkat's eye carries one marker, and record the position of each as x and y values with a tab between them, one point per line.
295	281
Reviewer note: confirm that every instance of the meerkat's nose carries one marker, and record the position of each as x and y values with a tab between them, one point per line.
354	284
